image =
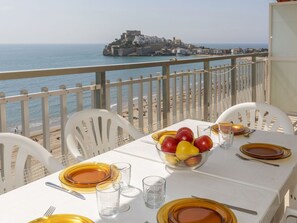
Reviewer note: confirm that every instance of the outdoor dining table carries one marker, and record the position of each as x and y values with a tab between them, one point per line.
223	178
225	164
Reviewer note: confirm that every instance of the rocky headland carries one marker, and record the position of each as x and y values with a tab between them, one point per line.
133	43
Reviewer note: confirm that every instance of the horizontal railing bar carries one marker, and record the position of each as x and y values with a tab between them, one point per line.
92	69
39	95
147	79
136	81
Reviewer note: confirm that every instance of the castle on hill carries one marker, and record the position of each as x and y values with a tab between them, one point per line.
133	43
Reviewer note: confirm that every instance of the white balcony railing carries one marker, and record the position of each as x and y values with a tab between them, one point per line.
149	103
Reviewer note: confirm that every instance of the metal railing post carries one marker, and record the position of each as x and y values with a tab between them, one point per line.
100	94
188	94
25	129
107	95
130	101
63	114
2	129
79	98
120	103
2	114
207	91
233	81
194	96
166	94
25	114
45	120
254	90
158	100
140	105
119	97
181	97
150	105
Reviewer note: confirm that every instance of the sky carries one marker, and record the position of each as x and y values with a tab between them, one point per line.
102	21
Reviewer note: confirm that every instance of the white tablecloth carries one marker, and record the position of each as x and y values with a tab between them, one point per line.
223	178
224	164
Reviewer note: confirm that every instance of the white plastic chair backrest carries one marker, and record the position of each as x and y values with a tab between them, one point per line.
26	148
258	116
94	131
289	216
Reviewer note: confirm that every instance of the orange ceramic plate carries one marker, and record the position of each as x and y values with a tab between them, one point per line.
195	210
157	135
86	176
238	129
265	151
65	218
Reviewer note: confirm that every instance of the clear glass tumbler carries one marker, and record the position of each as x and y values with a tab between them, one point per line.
154	191
125	171
226	135
108	200
204	129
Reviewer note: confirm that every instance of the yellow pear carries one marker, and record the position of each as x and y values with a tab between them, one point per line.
185	150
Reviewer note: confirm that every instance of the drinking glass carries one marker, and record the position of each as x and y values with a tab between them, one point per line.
108	200
154	191
125	171
226	135
204	130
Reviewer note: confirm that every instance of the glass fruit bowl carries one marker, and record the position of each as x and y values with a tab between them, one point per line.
171	160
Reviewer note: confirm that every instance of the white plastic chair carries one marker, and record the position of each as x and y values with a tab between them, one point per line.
290	216
262	117
15	150
258	116
94	131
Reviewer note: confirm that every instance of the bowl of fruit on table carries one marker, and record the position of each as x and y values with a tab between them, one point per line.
181	150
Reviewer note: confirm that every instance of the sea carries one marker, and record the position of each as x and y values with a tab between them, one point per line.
16	57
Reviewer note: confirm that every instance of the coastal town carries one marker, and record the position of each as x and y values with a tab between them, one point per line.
134	43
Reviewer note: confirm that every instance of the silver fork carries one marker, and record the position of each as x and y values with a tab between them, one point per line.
49	211
252	159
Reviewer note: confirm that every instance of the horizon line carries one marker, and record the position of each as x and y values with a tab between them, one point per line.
107	43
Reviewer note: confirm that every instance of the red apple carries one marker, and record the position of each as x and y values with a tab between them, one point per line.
184	135
185	128
203	143
169	145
